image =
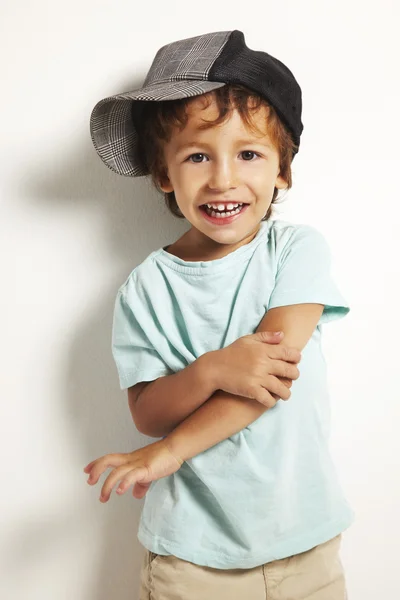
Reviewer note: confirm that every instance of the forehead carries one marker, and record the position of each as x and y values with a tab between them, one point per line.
199	110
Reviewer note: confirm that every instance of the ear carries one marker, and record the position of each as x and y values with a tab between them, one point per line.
165	184
280	183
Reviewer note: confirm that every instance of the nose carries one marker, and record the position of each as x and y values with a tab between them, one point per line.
223	175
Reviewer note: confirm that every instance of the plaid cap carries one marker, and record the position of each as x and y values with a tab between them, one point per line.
187	68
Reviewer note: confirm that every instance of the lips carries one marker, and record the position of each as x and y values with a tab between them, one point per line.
221	219
225	202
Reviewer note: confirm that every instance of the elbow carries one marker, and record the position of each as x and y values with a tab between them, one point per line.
141	415
134	393
145	428
134	414
138	424
152	431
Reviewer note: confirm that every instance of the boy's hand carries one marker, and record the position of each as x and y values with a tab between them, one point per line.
138	468
255	366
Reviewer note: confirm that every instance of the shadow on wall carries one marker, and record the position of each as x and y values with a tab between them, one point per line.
131	221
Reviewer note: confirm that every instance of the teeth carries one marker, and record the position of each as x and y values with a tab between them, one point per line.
221	215
222	207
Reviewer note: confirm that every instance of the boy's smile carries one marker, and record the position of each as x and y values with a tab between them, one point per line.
223	169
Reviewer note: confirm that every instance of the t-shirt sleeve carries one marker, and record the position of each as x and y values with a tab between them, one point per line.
134	355
304	275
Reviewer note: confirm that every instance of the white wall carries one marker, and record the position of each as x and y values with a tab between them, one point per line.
71	231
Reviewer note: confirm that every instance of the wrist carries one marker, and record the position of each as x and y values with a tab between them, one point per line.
208	370
177	446
182	443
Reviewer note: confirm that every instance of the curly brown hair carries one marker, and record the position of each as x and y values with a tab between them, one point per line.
154	122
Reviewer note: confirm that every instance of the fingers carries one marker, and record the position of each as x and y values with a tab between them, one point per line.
112	479
274	386
98	466
283	369
285	353
287	382
124	471
88	467
263	396
272	337
140	489
129	476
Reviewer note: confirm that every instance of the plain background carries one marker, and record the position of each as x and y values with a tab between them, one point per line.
72	230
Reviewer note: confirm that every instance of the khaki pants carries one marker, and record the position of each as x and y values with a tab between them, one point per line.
316	574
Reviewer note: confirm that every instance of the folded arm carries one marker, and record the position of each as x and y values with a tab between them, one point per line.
223	414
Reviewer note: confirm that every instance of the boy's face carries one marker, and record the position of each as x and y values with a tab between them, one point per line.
221	165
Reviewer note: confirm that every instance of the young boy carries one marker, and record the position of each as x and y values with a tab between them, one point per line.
242	497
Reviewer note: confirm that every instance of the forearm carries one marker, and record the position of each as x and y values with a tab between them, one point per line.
220	417
226	414
166	402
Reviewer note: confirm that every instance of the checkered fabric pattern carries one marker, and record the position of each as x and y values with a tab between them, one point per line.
187	68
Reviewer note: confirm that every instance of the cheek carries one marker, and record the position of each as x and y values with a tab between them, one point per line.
190	180
263	180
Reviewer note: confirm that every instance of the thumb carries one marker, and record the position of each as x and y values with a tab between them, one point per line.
269	336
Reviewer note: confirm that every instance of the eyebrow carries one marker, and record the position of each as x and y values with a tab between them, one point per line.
194	144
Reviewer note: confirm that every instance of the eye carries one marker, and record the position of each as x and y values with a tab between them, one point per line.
246	152
250	152
197	154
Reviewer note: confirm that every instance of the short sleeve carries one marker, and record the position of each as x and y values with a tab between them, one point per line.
135	357
304	275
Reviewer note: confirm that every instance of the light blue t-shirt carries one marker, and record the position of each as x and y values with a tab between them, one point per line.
271	490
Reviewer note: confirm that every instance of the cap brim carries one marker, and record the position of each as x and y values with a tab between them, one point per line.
112	129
